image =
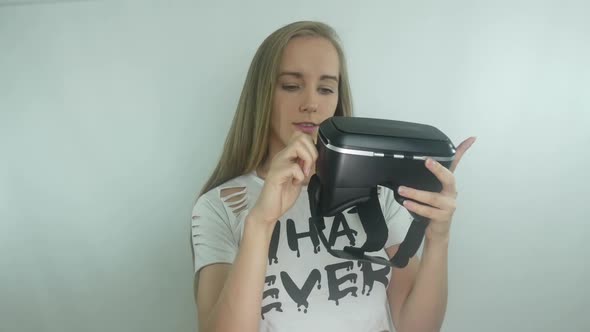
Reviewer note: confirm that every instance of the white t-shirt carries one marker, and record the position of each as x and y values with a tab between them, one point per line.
306	288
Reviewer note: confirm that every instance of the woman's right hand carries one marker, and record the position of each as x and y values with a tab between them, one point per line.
289	170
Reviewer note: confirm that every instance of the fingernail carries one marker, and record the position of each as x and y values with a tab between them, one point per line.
401	190
430	162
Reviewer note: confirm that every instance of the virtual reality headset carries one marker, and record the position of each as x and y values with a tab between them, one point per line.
356	155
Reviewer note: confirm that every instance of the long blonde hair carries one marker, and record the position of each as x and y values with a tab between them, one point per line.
246	145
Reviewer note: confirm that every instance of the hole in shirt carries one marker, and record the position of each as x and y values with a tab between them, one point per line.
235	199
194	225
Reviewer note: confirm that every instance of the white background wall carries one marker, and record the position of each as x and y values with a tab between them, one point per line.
113	113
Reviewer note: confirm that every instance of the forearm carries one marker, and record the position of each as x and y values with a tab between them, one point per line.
239	304
425	306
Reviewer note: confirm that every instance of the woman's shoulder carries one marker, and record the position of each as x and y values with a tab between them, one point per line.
232	196
237	184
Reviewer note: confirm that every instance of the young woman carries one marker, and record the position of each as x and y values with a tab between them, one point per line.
259	265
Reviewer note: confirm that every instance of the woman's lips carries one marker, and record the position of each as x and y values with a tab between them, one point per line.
306	128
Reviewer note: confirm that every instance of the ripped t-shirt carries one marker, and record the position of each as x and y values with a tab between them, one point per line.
306	288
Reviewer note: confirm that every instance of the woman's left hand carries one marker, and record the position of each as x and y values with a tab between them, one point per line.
438	207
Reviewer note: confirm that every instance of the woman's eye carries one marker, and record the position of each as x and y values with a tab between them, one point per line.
326	91
290	87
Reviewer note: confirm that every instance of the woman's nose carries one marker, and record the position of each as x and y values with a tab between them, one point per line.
307	107
309	104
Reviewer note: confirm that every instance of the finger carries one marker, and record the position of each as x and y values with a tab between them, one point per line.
460	151
306	143
307	140
296	174
311	147
295	136
429	212
298	151
437	200
444	175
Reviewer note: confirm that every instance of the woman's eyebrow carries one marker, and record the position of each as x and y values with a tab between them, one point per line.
329	77
291	73
300	75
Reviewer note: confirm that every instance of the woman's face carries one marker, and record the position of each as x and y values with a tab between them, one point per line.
306	90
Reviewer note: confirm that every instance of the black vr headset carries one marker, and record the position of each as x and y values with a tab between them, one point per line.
358	154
